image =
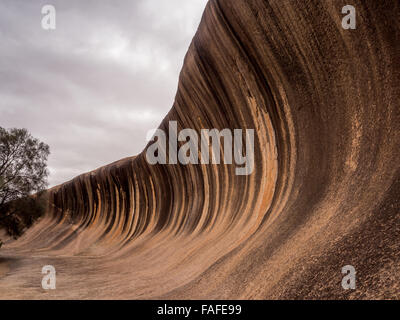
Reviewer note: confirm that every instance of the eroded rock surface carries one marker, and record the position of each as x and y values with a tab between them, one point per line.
324	103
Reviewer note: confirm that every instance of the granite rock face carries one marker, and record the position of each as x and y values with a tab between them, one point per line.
325	191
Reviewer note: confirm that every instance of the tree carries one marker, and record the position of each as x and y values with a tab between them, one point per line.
23	172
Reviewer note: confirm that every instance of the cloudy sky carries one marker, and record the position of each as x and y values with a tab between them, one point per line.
93	87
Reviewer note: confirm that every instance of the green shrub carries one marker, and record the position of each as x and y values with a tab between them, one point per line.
20	214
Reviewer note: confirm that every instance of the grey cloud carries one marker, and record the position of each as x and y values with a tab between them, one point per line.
93	87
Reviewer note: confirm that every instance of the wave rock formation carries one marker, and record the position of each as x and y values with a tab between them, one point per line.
324	103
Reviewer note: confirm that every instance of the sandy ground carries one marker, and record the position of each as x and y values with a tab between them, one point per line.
3	268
